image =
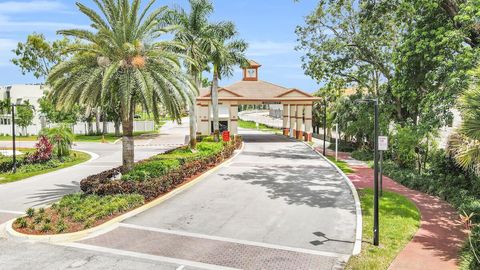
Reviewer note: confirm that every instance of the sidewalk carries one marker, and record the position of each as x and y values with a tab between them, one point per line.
437	243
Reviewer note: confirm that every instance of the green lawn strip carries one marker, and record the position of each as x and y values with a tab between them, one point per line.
76	212
19	138
110	137
342	165
253	125
30	170
399	221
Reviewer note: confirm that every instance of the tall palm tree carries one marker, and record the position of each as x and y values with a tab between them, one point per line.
226	52
464	146
123	57
196	33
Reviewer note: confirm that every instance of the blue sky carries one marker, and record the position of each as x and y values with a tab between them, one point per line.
267	25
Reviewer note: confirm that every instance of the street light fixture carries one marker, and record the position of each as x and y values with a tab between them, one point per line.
14	155
375	176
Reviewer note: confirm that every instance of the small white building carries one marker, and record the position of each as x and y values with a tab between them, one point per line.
19	93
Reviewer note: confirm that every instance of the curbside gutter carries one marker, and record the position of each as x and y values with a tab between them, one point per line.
357	247
113	223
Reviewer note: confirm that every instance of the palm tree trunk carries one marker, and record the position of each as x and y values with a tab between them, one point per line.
193	118
216	124
117	126
97	121
90	127
127	138
105	124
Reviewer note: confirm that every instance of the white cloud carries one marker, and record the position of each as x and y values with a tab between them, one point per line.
30	6
267	48
9	25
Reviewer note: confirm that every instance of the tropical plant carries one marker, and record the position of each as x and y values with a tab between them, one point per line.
197	34
225	53
62	138
123	60
464	146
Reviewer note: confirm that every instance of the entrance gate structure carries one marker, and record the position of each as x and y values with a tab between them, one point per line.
297	105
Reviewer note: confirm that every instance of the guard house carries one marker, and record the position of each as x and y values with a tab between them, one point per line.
297	105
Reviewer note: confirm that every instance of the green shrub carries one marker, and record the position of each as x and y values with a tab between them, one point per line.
46	227
363	154
61	226
30	212
22	222
343	146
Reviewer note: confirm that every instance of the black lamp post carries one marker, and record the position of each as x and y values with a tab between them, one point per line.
324	125
375	173
14	156
13	140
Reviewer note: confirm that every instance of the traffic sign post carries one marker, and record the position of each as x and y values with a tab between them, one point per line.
382	146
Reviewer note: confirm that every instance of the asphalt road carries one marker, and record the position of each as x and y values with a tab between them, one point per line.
277	205
45	189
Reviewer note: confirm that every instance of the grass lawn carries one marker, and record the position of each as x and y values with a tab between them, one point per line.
399	220
253	125
110	137
76	157
342	165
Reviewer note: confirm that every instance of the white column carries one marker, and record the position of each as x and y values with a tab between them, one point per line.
308	123
293	120
203	120
299	134
233	119
285	120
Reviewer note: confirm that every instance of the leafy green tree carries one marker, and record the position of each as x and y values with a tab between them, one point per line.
431	65
62	138
123	58
24	115
225	53
48	109
38	56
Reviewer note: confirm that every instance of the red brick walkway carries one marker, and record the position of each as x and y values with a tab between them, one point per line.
441	235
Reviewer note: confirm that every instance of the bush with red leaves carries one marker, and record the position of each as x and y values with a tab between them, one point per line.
43	151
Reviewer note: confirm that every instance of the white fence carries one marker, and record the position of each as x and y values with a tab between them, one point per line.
80	128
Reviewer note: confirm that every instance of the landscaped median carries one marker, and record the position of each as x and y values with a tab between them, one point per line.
112	193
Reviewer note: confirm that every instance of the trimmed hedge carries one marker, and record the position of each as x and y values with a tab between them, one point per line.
159	174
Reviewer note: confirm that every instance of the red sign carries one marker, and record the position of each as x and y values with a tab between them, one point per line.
226	136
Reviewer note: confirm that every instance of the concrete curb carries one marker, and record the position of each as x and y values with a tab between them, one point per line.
357	247
113	223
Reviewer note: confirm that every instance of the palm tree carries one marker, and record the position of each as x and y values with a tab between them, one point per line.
464	146
196	34
122	58
226	52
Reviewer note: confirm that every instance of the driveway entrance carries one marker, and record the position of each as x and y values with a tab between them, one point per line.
277	205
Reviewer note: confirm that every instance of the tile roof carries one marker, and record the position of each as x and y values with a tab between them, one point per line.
255	90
